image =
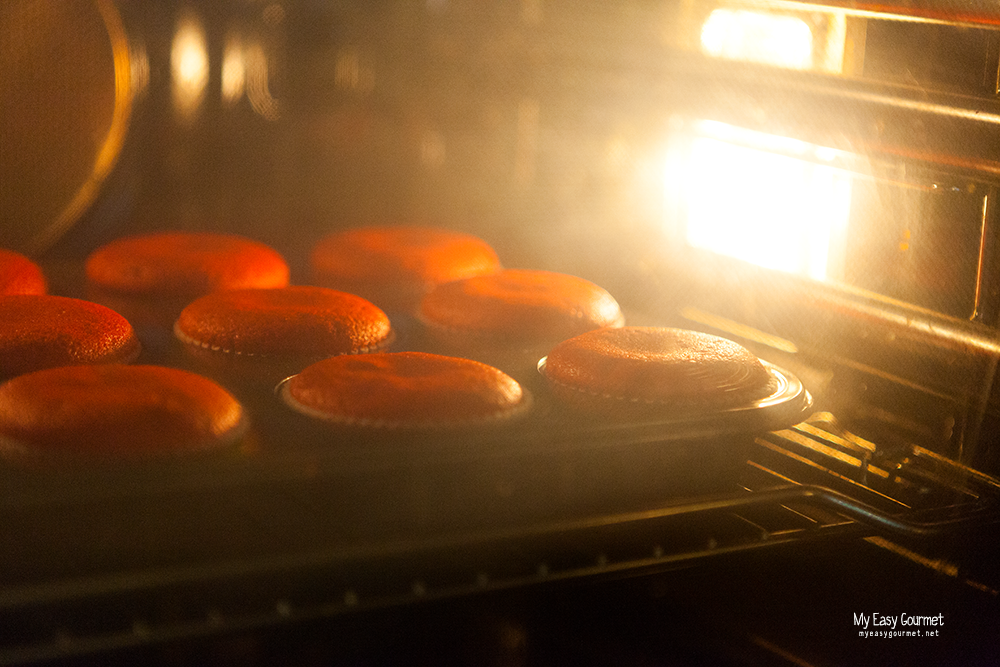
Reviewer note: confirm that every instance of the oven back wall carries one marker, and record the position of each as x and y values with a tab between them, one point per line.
534	126
548	129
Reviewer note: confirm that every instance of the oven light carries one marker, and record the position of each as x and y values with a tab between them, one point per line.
233	69
783	210
784	41
188	65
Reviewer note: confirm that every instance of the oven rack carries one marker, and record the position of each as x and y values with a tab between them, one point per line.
811	482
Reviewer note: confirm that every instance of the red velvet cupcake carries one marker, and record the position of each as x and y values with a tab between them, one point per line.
405	390
150	278
84	412
395	266
44	331
653	371
269	334
512	318
184	264
19	275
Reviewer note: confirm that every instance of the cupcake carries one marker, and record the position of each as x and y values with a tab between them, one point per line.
268	334
114	411
513	317
405	390
43	331
19	275
395	266
652	371
150	278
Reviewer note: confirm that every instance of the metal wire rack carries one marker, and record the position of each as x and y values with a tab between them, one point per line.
813	481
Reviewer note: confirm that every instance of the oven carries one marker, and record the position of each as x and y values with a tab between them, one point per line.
816	181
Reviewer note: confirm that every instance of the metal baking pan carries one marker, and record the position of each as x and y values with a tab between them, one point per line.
295	486
296	483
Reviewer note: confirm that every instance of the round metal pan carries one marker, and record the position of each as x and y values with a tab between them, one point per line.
787	404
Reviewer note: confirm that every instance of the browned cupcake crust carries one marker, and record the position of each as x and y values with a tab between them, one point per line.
43	331
519	305
655	369
19	275
394	266
306	321
184	264
114	410
405	390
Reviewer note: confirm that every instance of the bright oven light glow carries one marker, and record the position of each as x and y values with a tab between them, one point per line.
782	210
188	65
233	69
784	41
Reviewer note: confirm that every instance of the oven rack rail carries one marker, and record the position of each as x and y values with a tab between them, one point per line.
811	482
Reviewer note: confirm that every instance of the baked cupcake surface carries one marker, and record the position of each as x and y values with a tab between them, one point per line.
115	410
290	326
43	331
395	266
518	305
19	275
655	370
404	390
184	264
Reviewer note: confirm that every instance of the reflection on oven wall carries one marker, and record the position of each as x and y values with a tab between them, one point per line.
250	115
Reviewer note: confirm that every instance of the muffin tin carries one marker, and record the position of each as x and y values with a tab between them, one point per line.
549	461
110	553
295	486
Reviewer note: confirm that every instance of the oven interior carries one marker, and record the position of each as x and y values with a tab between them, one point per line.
830	204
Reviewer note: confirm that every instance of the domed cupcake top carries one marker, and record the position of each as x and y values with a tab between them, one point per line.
184	264
20	275
299	320
660	367
394	266
115	410
521	305
404	390
43	331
